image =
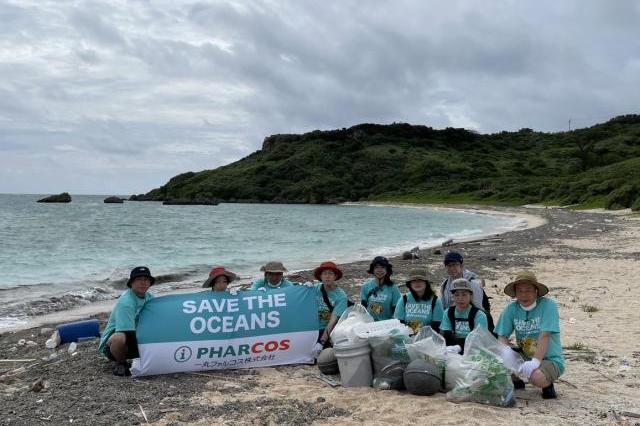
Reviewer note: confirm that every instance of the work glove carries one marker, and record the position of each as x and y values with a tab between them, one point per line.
234	291
454	349
317	349
527	368
308	284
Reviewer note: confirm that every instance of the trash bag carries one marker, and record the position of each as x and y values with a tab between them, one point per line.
482	338
344	332
390	358
486	379
428	346
454	371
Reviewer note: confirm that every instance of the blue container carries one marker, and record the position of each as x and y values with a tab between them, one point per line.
74	331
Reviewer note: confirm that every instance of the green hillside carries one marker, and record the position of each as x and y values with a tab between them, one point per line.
592	167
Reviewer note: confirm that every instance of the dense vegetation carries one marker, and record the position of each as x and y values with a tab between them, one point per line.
592	167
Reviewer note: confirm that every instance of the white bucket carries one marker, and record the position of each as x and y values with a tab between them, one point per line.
354	363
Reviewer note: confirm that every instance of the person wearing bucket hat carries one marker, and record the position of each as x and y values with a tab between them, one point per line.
332	300
420	307
118	342
380	294
273	277
536	322
219	279
463	317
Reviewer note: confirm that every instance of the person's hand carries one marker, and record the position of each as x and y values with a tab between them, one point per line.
234	291
454	349
308	284
317	349
528	367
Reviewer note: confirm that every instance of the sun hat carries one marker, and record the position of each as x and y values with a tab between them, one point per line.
452	256
140	271
276	267
382	261
525	277
417	274
461	284
330	266
217	271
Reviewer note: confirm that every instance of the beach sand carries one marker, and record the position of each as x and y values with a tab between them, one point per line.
590	260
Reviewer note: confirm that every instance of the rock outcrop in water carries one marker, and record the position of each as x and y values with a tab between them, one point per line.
59	198
142	197
113	200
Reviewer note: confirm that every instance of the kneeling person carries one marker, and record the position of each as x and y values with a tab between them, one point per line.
332	300
536	322
420	307
463	317
118	342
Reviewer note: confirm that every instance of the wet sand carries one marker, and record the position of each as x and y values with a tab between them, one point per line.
590	260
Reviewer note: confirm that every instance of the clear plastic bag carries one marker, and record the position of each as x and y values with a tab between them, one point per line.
344	331
454	371
390	357
486	379
429	346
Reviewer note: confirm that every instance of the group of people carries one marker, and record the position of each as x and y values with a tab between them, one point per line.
461	307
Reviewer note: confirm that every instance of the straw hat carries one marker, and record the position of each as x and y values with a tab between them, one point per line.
525	277
217	271
417	274
330	266
273	267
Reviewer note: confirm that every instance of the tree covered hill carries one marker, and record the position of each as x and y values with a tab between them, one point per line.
591	167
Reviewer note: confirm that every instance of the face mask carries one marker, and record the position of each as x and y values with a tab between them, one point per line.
530	307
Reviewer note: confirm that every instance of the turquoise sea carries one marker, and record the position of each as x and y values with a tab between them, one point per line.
55	256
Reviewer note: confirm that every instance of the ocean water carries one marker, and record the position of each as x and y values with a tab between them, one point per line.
55	256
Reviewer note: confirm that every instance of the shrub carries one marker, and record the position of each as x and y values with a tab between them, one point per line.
636	205
621	198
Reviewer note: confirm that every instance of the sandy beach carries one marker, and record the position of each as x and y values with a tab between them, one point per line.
590	261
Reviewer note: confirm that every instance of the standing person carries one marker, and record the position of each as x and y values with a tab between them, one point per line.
453	262
461	318
536	322
420	307
273	277
118	342
332	300
219	279
380	295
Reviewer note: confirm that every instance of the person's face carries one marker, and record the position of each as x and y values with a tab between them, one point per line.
328	277
140	285
462	299
418	286
274	277
220	283
454	269
379	271
526	293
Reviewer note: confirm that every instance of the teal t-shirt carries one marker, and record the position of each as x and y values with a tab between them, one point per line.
529	324
262	282
462	327
124	315
417	314
338	299
381	301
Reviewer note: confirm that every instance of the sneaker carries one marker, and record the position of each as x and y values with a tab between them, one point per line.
549	392
517	384
121	369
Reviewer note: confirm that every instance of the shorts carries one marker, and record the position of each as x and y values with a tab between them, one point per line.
550	370
132	346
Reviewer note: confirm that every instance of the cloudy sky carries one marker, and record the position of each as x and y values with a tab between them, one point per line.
117	97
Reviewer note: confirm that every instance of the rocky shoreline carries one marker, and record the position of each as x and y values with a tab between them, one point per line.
80	389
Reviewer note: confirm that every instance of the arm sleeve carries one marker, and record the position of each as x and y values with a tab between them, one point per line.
399	312
436	315
481	320
550	318
504	327
445	324
340	305
125	317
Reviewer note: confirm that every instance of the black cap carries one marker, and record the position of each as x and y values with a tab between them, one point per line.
140	271
382	261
